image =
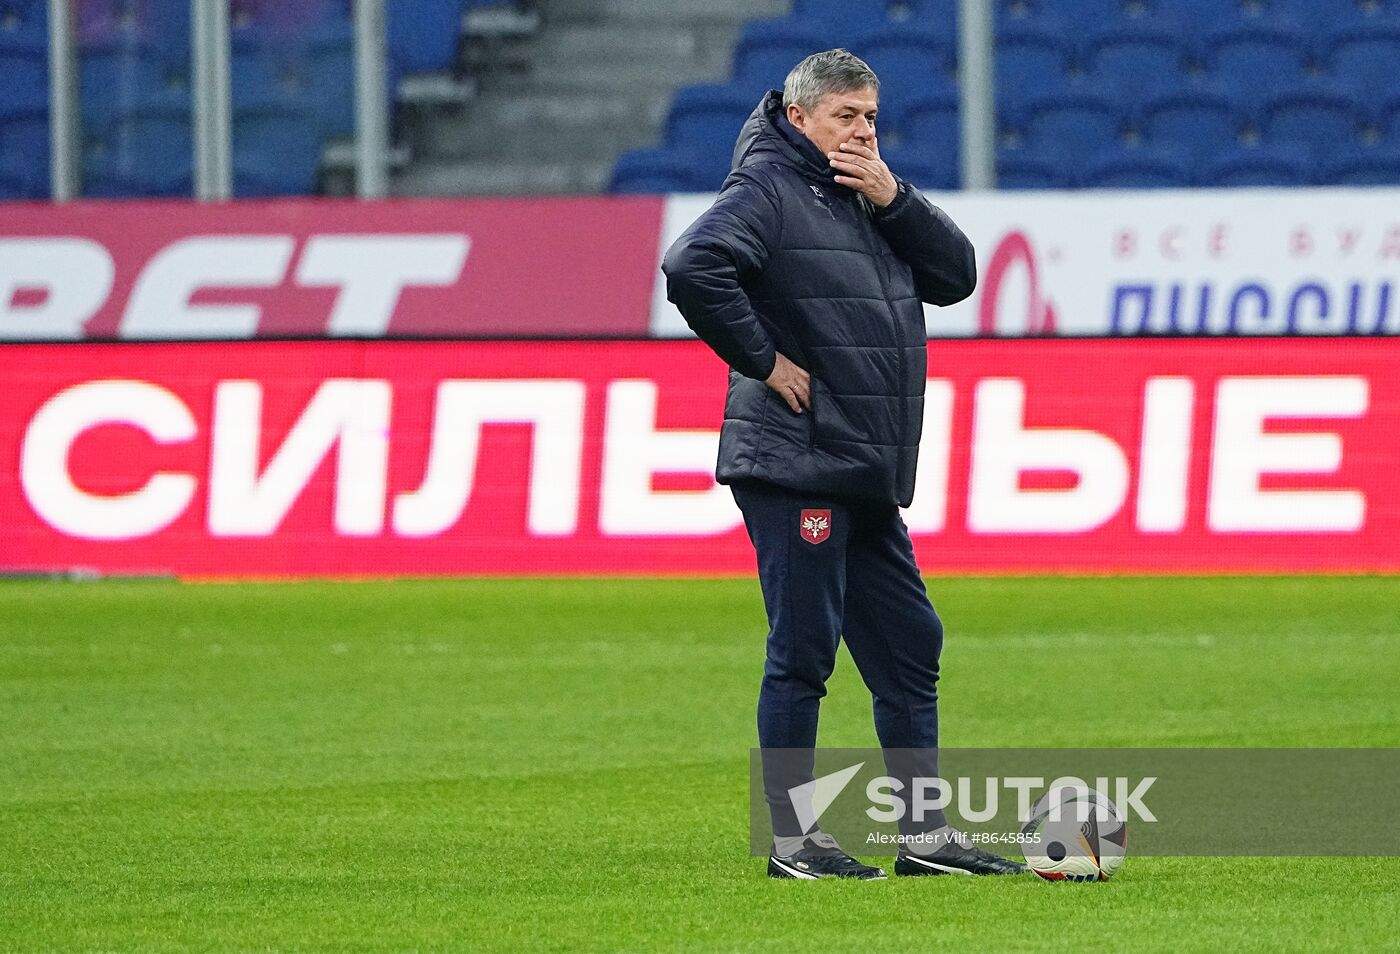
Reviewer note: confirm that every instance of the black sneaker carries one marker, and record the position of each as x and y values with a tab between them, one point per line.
954	857
820	857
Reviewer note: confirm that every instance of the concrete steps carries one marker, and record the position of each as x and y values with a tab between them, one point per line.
553	111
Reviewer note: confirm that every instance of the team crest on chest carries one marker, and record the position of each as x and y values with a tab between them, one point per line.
816	525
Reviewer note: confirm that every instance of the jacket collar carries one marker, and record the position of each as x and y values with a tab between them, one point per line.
768	135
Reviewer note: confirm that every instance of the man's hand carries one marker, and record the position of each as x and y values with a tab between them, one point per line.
793	384
861	168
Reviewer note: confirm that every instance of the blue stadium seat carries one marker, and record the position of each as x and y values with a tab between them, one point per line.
124	77
650	171
257	81
12	188
1031	59
1367	58
705	120
1018	170
1361	165
1086	16
930	128
1317	114
1136	60
1258	61
847	14
769	49
166	25
1199	119
1138	168
330	63
1263	165
1199	16
424	35
1075	125
26	80
926	170
1388	113
24	63
940	16
146	152
1325	16
276	151
24	152
909	62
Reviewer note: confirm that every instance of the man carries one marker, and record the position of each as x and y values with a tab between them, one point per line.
807	276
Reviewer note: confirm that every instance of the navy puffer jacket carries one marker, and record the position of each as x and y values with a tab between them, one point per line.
787	260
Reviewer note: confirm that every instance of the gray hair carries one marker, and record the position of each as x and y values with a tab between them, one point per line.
832	71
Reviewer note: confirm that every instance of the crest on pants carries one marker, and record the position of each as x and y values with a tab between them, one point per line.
816	525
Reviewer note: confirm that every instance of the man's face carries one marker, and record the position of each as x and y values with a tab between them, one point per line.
838	118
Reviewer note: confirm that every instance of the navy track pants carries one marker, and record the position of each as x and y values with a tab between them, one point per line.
833	567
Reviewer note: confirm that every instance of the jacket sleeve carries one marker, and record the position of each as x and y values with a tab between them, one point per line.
705	266
944	263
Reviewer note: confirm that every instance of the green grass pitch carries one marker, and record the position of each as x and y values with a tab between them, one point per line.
562	765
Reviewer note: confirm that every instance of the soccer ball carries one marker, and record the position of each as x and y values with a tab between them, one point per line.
1074	833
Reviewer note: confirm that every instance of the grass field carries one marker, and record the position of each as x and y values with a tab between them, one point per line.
562	765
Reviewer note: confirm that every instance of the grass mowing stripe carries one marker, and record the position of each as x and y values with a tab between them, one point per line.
562	764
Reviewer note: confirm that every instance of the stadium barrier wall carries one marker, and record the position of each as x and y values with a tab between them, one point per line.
1197	262
251	459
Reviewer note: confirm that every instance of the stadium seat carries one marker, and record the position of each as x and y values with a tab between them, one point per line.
926	170
1325	16
845	14
931	129
276	151
330	64
1138	168
1199	16
24	151
146	152
768	50
424	35
1018	170
1087	16
24	63
939	16
1074	124
1318	114
1136	61
909	62
1368	59
649	171
1389	121
1258	60
1030	61
12	189
263	81
1263	165
26	80
705	120
124	77
1361	165
164	24
1202	120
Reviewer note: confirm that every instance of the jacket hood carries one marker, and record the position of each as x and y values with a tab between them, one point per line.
767	136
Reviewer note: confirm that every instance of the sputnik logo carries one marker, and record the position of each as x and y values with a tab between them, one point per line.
1015	248
812	798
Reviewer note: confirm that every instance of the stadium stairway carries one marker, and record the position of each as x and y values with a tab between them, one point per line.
555	108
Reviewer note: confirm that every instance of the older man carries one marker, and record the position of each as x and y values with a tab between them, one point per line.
808	277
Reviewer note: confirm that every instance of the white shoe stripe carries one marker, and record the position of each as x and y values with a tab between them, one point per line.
805	876
937	867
